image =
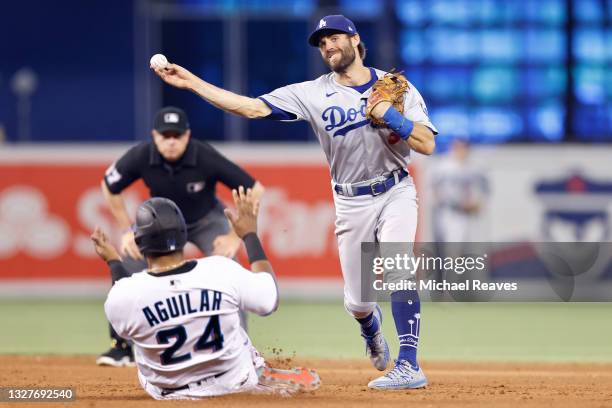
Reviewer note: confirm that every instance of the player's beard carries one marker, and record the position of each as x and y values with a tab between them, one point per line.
347	57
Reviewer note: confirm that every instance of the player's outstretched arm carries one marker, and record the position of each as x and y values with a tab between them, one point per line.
260	294
244	223
119	211
240	105
227	245
105	250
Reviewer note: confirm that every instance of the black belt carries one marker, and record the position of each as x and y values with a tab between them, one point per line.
168	391
376	188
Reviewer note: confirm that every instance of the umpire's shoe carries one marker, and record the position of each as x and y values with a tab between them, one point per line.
376	346
119	355
402	377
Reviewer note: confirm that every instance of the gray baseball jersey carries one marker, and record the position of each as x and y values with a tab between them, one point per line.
355	150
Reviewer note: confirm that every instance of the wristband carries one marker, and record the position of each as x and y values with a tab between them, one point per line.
117	270
253	247
398	123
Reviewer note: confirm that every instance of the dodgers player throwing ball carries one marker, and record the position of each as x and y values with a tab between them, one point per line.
375	197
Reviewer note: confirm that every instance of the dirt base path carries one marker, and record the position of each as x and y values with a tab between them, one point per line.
344	385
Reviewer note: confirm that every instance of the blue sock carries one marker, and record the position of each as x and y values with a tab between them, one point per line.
406	309
369	325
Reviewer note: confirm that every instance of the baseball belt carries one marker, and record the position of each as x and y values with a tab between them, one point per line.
168	391
376	188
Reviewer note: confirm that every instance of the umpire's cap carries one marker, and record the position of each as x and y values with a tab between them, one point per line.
171	119
330	24
160	227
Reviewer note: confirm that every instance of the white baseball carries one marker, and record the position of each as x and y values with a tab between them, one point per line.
159	61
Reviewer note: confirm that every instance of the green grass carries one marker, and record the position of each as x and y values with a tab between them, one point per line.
450	331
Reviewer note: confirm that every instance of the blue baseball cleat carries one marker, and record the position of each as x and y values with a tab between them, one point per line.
403	376
376	346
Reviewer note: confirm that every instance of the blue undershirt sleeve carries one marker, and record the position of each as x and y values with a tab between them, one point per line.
277	113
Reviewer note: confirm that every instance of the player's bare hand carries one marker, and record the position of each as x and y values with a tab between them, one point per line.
129	247
226	245
244	217
377	105
103	247
176	76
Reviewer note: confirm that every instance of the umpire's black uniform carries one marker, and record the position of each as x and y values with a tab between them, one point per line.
189	181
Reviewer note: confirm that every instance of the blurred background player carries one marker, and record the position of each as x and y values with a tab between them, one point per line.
459	194
175	166
185	321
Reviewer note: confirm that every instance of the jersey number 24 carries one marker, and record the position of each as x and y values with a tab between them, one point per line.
212	338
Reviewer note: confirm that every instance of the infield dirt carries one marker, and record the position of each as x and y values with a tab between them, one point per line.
344	385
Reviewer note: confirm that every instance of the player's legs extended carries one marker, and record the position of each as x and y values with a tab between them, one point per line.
355	223
242	377
397	223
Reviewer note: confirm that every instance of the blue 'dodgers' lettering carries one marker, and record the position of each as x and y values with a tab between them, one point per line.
336	118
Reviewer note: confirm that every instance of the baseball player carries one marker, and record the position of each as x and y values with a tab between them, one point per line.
182	315
185	170
375	197
460	192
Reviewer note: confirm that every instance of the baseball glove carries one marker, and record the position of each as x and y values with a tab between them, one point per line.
391	88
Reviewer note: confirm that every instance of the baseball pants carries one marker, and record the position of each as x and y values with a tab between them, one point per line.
242	377
389	217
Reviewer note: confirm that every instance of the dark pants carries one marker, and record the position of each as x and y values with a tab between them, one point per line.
202	234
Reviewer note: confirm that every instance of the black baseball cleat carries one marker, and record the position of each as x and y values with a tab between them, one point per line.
119	355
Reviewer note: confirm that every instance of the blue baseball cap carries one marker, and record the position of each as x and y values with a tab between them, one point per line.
333	23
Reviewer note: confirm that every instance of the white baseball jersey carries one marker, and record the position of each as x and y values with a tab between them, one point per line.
184	323
355	150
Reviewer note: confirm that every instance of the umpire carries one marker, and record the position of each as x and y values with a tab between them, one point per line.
185	170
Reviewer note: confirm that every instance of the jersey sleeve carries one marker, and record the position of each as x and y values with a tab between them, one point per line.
279	114
416	110
255	292
116	306
123	172
258	293
287	100
229	173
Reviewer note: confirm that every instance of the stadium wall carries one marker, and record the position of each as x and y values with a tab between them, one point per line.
50	202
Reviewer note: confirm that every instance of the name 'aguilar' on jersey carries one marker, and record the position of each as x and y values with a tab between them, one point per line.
180	305
355	150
